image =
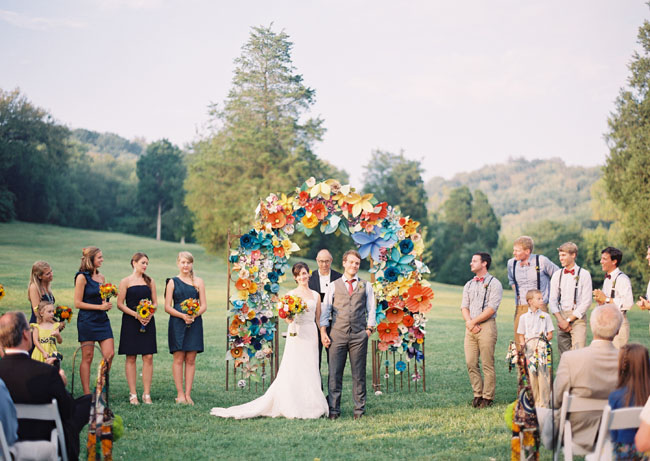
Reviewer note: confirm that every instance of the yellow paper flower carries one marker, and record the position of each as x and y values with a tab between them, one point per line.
360	203
323	189
310	220
410	227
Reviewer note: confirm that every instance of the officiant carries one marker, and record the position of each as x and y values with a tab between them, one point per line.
319	281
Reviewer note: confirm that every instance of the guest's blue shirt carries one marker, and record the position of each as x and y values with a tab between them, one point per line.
617	400
8	415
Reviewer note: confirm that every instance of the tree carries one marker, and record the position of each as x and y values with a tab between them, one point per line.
33	149
627	168
161	173
260	142
397	180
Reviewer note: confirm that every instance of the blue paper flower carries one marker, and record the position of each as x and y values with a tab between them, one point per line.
406	246
400	366
369	244
249	241
273	277
401	263
300	213
272	287
391	273
379	316
233	258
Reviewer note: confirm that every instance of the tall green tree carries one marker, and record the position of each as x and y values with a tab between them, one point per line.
397	180
161	173
627	168
261	141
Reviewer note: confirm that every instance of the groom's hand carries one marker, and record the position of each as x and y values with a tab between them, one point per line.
325	340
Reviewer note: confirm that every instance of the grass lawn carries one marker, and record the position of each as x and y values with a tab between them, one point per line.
437	424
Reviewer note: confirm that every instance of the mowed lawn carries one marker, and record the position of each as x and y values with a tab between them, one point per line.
436	424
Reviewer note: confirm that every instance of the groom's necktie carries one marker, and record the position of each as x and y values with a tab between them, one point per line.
350	282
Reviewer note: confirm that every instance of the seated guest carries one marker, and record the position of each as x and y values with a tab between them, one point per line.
35	382
633	389
8	415
590	372
642	438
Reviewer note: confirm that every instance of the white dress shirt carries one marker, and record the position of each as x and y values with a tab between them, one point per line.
623	297
567	291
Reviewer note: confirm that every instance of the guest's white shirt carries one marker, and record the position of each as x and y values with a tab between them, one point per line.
623	297
581	279
324	281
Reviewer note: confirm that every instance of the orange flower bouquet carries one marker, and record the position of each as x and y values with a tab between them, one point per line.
2	292
145	309
289	307
62	313
107	291
191	307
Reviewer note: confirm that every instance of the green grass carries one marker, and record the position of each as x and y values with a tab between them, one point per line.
437	424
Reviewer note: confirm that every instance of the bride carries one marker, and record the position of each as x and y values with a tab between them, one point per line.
296	391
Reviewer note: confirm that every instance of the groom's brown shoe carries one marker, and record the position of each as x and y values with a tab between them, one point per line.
358	416
333	416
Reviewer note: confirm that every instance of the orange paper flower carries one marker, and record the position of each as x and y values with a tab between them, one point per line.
277	220
246	285
236	352
394	315
408	321
279	252
419	298
320	211
388	332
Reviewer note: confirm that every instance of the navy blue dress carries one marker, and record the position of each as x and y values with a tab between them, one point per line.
46	297
92	325
182	337
132	340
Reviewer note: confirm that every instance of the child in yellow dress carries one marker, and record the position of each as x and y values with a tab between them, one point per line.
46	333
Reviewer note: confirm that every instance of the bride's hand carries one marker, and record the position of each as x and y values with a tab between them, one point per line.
326	340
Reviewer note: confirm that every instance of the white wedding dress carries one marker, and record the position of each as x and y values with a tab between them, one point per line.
296	391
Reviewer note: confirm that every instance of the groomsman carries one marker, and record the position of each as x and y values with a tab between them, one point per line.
481	299
319	281
617	289
644	303
528	271
570	298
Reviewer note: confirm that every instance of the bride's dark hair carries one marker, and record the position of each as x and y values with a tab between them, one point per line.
298	267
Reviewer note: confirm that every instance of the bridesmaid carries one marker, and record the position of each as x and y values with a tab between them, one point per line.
185	332
92	323
39	286
134	341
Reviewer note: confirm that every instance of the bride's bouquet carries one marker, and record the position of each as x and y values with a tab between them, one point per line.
289	307
107	291
191	307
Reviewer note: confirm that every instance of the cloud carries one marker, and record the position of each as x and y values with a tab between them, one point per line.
39	23
130	4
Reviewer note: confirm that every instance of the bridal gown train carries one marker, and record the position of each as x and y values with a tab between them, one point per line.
296	391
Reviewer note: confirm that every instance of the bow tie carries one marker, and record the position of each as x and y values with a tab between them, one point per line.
479	279
524	263
567	271
608	276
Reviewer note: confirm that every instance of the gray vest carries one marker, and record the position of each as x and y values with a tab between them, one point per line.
349	311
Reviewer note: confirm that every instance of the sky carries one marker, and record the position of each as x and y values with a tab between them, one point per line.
454	84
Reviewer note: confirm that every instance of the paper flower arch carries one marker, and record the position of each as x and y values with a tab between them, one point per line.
260	263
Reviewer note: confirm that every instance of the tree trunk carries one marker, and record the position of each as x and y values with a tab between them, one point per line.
158	221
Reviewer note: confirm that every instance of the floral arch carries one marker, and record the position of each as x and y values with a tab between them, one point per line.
260	262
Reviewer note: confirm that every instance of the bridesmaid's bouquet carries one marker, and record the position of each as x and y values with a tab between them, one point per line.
107	291
2	292
289	307
191	307
62	313
145	309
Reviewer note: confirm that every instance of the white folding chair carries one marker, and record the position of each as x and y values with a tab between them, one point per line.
622	418
4	446
573	404
46	412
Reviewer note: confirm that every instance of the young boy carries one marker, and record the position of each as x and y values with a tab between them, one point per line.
532	325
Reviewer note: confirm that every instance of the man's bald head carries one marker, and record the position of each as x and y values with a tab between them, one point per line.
605	321
324	260
12	326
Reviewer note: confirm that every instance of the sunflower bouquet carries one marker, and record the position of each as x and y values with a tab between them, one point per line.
145	309
62	313
289	307
107	291
190	307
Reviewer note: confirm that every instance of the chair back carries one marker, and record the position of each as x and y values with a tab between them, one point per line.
44	412
4	446
622	418
573	404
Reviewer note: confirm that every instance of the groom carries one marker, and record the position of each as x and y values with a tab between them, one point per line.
351	303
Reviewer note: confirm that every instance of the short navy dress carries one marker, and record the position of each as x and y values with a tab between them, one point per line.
132	340
92	325
46	297
182	337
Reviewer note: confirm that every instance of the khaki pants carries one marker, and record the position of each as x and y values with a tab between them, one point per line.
519	311
481	345
540	381
623	335
576	338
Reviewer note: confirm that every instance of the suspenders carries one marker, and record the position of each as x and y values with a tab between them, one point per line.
514	269
613	293
575	291
485	294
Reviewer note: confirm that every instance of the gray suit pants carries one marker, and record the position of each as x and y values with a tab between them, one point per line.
356	344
